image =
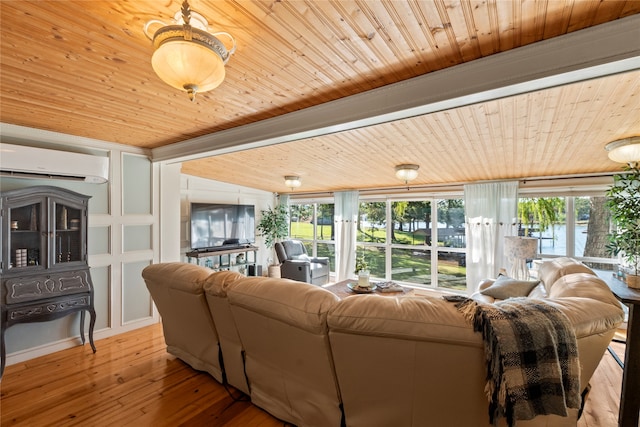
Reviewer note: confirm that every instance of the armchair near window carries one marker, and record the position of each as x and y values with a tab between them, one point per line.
296	264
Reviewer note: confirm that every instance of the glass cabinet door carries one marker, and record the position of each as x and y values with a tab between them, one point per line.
27	236
67	233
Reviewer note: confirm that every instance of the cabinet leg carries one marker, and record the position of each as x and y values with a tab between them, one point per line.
82	326
2	352
92	323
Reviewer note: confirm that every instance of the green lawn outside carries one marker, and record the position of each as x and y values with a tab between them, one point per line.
408	265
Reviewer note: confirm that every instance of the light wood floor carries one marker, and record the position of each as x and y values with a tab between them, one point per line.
133	381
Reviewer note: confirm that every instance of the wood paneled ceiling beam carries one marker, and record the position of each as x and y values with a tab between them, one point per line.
594	52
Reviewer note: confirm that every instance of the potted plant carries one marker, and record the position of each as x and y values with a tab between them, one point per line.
623	200
273	226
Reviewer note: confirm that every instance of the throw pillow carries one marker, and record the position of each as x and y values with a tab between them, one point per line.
505	287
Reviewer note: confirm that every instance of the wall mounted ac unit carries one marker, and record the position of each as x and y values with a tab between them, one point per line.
20	161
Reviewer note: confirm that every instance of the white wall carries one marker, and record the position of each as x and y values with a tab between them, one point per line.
124	235
141	216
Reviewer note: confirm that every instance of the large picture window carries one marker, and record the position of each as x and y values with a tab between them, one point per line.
422	241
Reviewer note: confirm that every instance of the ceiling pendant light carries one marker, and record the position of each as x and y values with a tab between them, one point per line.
625	150
187	56
407	172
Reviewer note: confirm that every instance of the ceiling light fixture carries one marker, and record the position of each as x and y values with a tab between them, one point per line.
407	172
187	55
292	181
625	150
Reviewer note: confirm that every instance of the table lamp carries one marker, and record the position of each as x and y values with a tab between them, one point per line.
519	250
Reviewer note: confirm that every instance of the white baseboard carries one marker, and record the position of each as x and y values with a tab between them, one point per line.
43	350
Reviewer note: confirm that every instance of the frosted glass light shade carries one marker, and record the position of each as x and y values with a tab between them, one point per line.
183	64
292	181
625	150
187	56
407	172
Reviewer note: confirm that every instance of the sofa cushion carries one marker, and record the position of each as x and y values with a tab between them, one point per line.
288	301
550	271
288	362
583	285
409	318
293	248
506	287
189	330
216	287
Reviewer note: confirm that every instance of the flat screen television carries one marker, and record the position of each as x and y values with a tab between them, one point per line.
215	225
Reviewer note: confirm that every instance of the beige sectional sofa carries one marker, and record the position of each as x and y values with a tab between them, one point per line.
313	359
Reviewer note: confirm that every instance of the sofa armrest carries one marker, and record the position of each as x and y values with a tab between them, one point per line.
320	260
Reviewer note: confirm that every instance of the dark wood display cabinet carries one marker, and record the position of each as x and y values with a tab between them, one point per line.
43	258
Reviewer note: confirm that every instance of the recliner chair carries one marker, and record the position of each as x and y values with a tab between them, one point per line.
296	264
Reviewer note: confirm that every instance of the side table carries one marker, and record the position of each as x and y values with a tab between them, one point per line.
630	395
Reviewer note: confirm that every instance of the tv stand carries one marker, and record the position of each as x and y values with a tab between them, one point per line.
226	257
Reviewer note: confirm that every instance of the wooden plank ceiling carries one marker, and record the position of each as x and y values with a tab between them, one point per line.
83	68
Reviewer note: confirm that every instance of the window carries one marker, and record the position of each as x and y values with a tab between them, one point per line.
592	225
582	234
399	243
422	241
372	222
312	223
411	239
300	217
545	219
451	247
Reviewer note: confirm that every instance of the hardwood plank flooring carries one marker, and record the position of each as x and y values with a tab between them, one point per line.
133	381
130	381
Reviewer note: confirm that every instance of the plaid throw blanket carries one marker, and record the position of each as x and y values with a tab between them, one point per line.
532	358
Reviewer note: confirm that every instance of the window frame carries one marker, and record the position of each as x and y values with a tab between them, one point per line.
569	188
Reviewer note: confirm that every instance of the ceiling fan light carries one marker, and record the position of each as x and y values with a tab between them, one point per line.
407	172
625	150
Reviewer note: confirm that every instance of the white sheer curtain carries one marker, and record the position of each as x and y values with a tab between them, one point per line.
283	199
490	214
346	217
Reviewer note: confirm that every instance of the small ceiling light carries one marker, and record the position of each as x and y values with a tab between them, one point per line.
407	172
625	150
292	181
187	55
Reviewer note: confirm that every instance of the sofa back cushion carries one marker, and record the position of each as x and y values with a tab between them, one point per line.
189	331
583	285
282	326
552	270
408	361
216	287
